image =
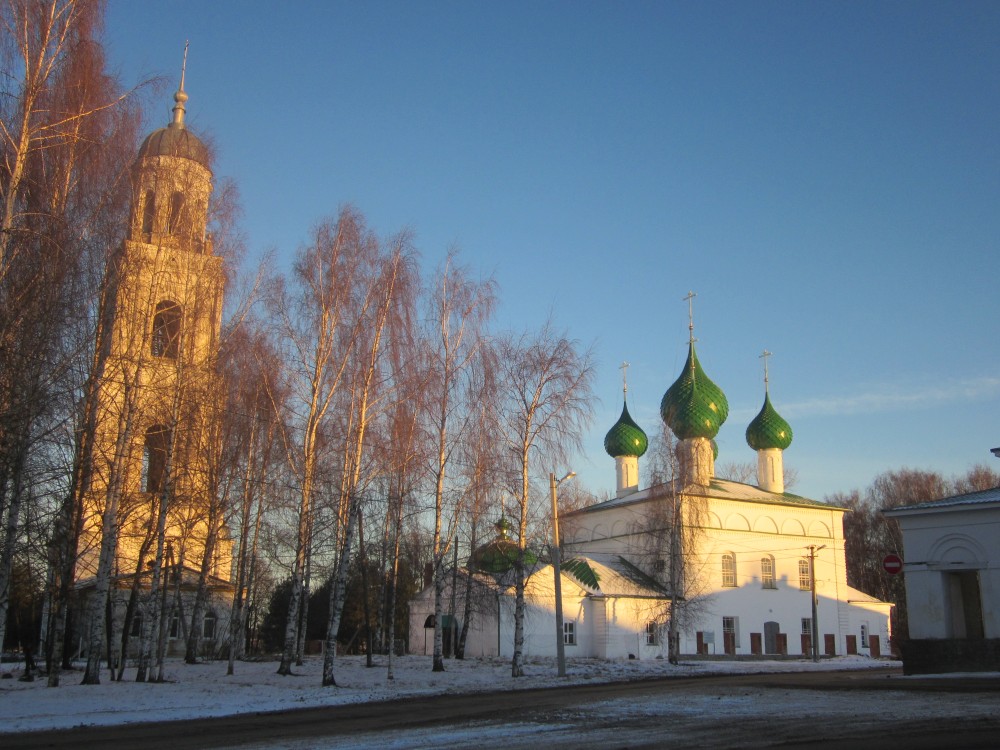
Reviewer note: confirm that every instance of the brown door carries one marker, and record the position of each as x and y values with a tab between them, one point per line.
852	645
771	638
830	644
874	646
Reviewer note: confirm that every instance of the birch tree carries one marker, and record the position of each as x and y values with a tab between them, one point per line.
459	310
545	396
317	322
393	288
64	127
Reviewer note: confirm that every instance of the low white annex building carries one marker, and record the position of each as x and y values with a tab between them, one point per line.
952	571
741	558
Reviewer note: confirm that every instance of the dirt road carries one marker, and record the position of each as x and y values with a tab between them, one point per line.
827	710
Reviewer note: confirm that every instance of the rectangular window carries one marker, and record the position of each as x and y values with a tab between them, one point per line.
652	634
569	633
729	625
807	626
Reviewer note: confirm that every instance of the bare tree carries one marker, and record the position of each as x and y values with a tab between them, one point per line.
869	535
459	311
390	294
317	325
668	541
545	397
62	196
483	470
406	450
745	472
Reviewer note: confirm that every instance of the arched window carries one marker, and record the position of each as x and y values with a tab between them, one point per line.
148	212
805	580
767	572
729	569
154	459
166	330
175	218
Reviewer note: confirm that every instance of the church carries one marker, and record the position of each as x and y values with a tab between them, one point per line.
748	570
151	494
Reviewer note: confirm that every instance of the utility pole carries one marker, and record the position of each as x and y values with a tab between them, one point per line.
813	549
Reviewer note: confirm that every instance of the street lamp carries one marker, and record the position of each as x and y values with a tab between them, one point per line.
556	566
813	549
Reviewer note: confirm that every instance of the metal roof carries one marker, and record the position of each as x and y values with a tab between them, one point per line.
983	497
722	489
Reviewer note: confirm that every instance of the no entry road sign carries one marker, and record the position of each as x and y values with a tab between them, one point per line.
892	564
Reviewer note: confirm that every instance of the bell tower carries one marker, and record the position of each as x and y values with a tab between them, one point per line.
156	434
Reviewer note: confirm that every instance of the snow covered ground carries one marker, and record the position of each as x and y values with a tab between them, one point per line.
204	690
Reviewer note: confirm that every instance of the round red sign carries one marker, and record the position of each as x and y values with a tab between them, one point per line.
892	564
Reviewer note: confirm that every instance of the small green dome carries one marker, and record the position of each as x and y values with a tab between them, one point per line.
500	555
768	429
694	406
626	438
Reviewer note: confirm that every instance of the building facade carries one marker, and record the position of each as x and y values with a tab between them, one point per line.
951	554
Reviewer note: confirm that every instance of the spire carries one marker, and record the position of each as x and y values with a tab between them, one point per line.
180	97
764	355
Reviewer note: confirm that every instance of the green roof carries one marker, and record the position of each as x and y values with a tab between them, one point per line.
768	429
500	555
694	406
626	438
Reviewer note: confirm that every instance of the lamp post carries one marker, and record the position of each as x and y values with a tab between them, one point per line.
556	571
813	549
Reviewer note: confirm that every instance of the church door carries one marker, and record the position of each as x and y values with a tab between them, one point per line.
966	604
771	637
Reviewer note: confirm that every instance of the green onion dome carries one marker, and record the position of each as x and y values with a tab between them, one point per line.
626	438
694	406
768	429
500	555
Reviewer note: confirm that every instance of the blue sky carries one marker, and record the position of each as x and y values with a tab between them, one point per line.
825	176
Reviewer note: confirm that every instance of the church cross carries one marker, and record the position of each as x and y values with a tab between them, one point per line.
764	357
624	368
690	300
